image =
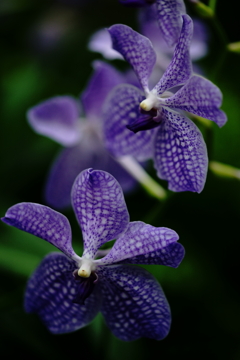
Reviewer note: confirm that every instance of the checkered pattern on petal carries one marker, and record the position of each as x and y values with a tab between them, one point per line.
43	222
139	239
201	97
169	16
136	49
134	304
180	153
100	208
50	293
180	68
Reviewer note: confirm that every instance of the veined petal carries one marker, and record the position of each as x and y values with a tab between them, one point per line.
136	49
170	255
201	97
180	68
71	161
169	16
51	291
100	209
104	78
180	153
57	118
134	304
139	239
122	109
42	222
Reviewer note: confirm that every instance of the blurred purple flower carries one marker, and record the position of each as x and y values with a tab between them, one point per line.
149	28
177	146
101	42
60	118
168	14
67	291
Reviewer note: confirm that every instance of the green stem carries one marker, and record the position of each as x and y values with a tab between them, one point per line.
137	171
212	4
224	170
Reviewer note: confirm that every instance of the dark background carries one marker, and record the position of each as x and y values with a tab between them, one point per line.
204	291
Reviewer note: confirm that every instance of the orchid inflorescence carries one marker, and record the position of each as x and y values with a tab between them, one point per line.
123	119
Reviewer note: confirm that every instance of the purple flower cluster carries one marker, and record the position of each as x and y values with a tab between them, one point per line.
67	290
171	139
77	125
123	117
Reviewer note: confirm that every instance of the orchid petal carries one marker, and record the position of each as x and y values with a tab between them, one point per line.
180	68
51	291
71	161
122	109
134	304
104	78
171	255
42	222
180	153
201	97
100	209
170	19
139	239
150	28
57	118
136	49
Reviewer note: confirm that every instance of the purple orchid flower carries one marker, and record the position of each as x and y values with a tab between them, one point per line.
60	118
67	291
101	42
168	13
150	28
178	148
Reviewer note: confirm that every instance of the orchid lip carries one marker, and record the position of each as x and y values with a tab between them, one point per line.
85	288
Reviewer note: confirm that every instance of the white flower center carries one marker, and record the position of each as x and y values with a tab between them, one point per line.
154	101
150	102
86	268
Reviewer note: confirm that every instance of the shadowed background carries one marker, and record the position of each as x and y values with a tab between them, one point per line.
44	54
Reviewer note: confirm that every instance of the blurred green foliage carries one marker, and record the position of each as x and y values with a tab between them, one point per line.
204	291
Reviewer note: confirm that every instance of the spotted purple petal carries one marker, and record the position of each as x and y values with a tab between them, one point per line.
139	239
170	255
122	109
180	68
51	291
43	222
100	208
57	118
201	97
150	29
71	161
180	153
134	304
170	19
136	49
104	78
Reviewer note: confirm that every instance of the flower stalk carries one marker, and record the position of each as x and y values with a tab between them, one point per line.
147	182
224	170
